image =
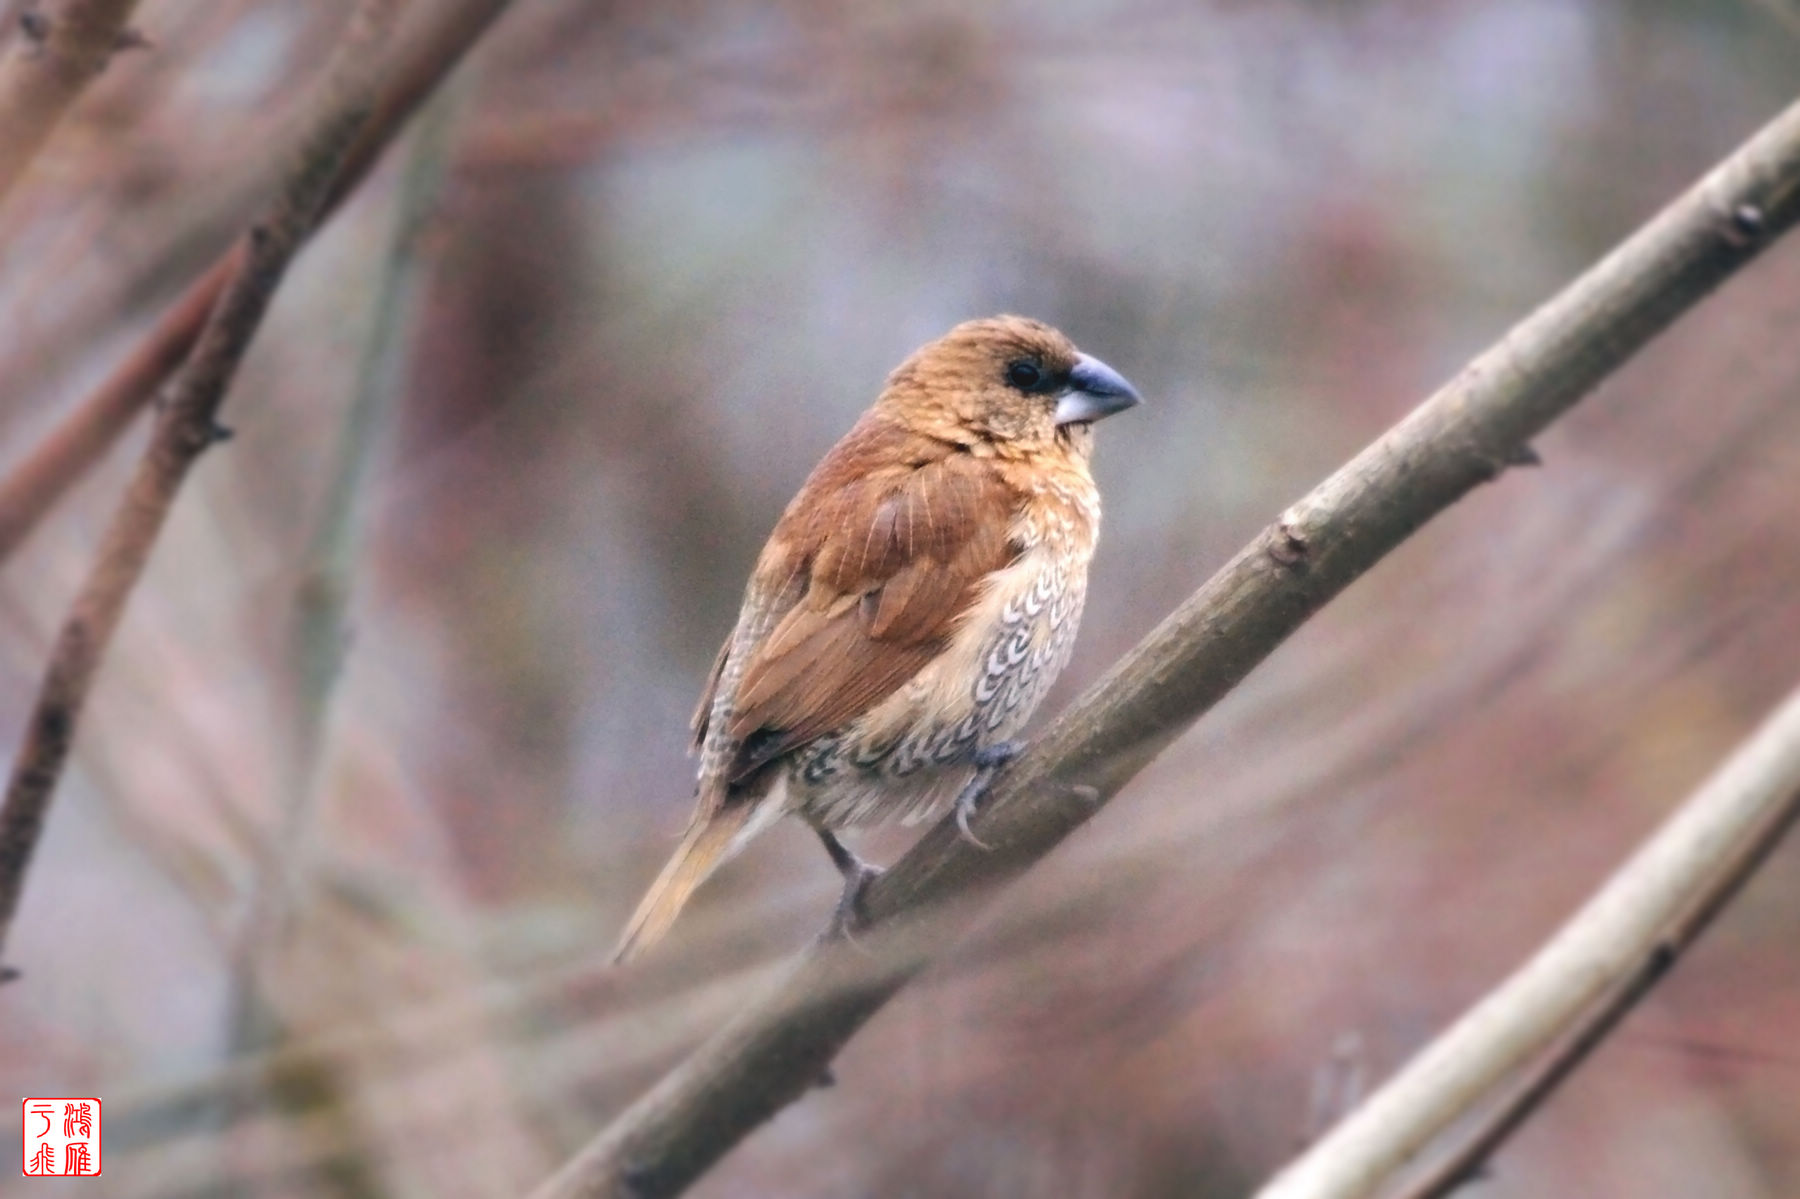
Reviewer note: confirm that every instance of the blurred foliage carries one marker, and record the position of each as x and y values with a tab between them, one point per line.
675	250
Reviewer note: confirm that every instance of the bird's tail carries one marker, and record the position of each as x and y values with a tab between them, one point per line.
709	839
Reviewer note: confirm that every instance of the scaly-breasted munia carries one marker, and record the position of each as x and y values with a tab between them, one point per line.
911	608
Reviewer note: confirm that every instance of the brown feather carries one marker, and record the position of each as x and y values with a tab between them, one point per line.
704	847
893	558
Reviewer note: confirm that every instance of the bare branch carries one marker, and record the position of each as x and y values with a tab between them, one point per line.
185	428
72	448
59	48
318	625
1470	431
1601	963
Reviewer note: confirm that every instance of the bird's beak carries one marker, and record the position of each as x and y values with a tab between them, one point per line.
1095	390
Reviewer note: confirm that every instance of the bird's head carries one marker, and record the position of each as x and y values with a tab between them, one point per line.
1010	382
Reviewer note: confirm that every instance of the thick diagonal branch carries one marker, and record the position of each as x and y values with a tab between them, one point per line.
1472	429
185	427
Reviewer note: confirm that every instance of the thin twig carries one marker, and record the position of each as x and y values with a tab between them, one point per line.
1590	974
81	438
1469	432
317	631
186	426
58	49
1465	1161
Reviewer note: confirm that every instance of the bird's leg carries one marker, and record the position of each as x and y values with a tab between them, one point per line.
988	761
857	873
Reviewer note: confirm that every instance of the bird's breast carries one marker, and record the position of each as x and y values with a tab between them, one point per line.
909	755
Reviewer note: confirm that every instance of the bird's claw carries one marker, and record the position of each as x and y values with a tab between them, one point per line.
849	915
993	757
965	807
988	761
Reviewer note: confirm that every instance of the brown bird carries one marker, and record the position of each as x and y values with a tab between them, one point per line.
909	611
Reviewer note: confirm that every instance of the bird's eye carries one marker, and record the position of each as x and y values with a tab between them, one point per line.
1023	374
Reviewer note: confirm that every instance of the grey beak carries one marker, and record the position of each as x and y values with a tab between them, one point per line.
1095	390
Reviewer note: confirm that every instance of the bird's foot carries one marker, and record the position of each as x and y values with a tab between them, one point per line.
988	761
858	874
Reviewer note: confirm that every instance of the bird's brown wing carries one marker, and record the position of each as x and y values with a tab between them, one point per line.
891	556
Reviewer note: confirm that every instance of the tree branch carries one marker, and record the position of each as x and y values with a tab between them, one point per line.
58	49
1466	434
72	448
1601	963
186	426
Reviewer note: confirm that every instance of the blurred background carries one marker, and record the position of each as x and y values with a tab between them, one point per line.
393	734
